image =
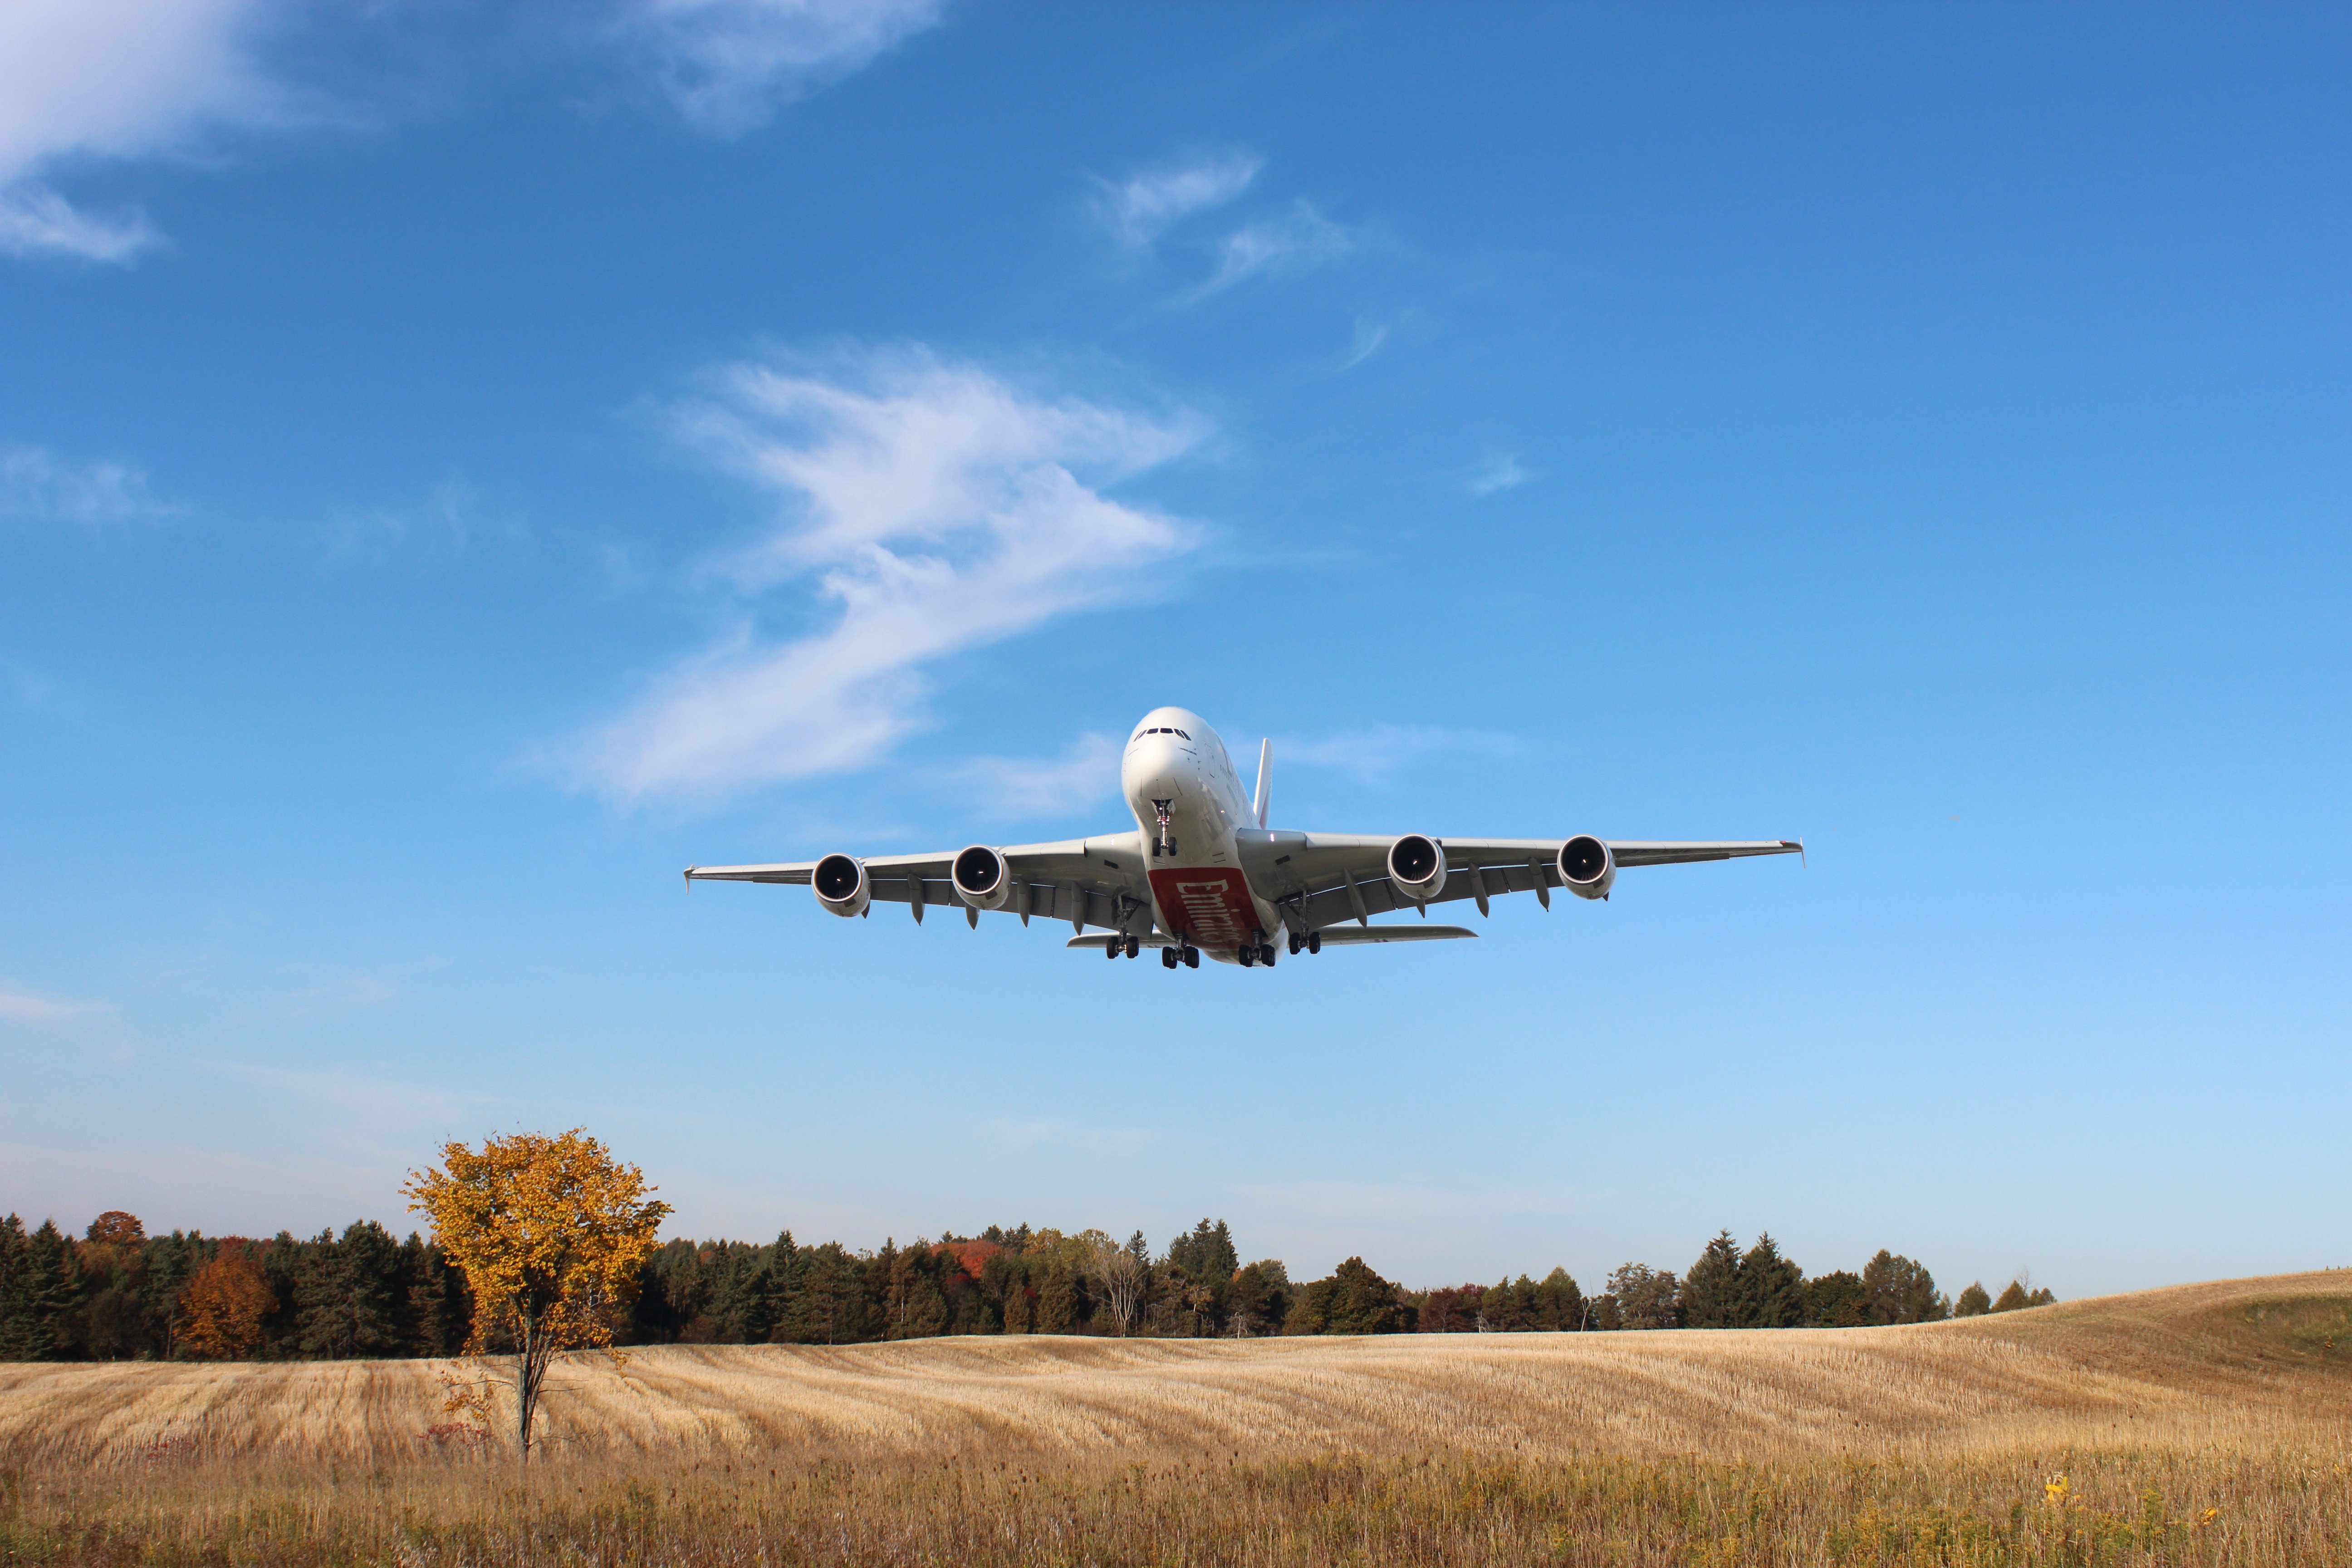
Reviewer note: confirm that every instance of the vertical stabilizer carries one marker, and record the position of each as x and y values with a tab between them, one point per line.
1265	779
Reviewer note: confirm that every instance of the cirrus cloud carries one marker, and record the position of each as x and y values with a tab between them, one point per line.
932	509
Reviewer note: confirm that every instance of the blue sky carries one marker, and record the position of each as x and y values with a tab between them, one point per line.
459	465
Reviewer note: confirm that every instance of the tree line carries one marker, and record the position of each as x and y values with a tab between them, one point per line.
115	1293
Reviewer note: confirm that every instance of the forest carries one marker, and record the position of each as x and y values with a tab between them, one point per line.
115	1293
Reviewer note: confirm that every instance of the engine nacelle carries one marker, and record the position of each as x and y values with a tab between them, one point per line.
1417	867
983	877
841	886
1587	866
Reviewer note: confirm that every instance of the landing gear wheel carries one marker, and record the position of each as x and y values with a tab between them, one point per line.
1134	946
1248	956
1265	955
1192	957
1168	959
1314	941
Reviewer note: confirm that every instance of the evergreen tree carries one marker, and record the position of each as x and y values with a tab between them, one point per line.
349	1295
17	1315
1353	1300
1837	1300
1901	1291
1259	1301
1059	1300
1772	1288
1973	1303
1711	1293
1558	1304
49	1294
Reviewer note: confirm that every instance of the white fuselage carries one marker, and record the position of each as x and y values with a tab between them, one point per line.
1176	766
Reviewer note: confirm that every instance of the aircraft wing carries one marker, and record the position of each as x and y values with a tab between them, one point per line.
1320	879
1082	880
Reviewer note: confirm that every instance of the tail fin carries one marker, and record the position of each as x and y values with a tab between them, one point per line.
1265	779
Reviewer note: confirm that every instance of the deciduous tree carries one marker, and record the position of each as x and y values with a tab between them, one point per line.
224	1308
550	1233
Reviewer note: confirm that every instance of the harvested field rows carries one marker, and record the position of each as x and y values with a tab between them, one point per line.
2189	1367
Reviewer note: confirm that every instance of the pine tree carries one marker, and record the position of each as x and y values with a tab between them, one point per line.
1772	1288
1057	1300
1711	1294
17	1316
50	1293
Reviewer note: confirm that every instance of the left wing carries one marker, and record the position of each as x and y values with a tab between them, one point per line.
1087	881
1320	879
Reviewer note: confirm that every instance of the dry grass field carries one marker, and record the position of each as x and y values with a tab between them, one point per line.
2203	1424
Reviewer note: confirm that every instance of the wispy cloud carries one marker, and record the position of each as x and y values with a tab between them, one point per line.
1378	751
727	67
38	485
445	520
937	507
1022	787
1141	208
35	1011
1370	337
1499	471
114	78
1300	239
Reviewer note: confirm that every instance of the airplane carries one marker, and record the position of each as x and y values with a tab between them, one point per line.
1203	873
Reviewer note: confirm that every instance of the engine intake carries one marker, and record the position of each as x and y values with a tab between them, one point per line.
983	877
841	886
1417	867
1587	866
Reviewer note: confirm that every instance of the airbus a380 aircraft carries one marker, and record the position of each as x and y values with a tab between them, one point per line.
1203	873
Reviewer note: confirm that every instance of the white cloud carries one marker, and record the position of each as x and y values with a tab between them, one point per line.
726	65
1300	239
36	484
444	521
113	79
1142	208
1026	787
1499	472
939	508
35	1011
1371	336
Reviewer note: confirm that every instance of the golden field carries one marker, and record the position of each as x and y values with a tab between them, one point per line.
2208	1423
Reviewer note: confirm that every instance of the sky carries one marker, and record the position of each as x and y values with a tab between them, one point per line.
460	465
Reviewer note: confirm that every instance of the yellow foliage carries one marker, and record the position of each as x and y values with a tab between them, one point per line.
550	1233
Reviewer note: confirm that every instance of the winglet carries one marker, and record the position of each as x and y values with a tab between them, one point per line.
1265	779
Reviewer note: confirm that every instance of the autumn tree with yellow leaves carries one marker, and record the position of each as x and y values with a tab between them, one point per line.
550	1234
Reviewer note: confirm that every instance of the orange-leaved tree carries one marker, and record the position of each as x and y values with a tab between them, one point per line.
550	1233
222	1310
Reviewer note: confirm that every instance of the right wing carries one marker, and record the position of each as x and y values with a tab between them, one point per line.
1087	881
1320	879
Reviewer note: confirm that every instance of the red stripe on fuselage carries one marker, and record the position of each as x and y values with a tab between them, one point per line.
1209	906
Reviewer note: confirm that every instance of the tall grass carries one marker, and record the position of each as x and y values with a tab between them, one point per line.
2111	1506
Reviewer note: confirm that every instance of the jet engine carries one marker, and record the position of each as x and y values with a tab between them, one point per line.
841	886
1587	866
983	877
1417	867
